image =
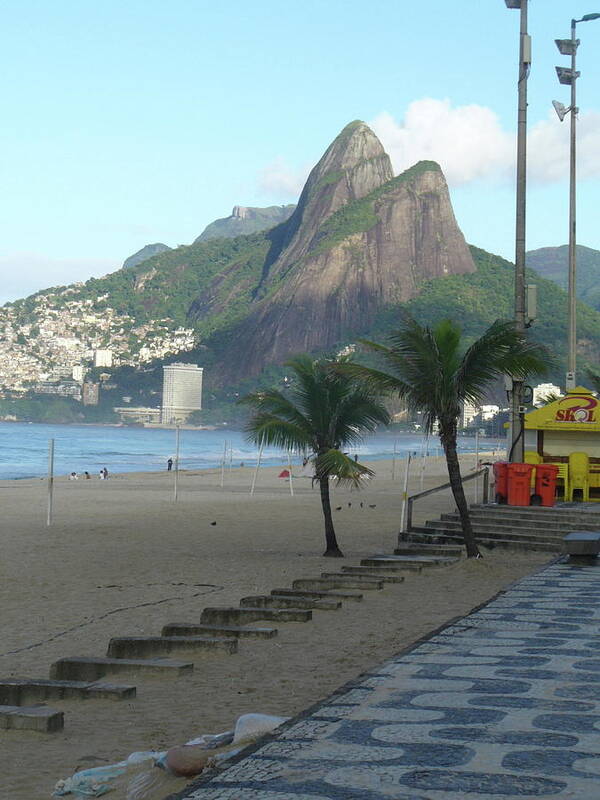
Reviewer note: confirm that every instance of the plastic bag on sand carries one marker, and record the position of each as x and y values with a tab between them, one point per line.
247	728
251	726
139	780
97	781
210	741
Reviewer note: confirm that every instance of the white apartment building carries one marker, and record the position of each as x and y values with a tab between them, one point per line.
544	390
103	358
182	392
469	412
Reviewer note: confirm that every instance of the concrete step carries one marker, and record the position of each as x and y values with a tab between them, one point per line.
22	691
405	566
401	561
361	577
241	632
374	562
371	572
428	550
511	544
346	582
532	535
556	513
281	601
81	668
551	527
144	646
31	718
228	615
352	596
515	543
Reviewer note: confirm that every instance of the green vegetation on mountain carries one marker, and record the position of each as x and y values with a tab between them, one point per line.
552	263
360	215
477	299
166	285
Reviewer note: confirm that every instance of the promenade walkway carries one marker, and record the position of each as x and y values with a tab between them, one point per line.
503	703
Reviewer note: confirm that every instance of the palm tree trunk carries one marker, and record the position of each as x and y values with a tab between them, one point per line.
456	484
332	549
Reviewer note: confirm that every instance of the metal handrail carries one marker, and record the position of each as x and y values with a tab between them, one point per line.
409	506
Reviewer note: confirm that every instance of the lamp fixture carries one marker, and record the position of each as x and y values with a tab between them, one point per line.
566	75
561	110
567	47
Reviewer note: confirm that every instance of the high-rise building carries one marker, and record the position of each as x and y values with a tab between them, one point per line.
182	392
91	393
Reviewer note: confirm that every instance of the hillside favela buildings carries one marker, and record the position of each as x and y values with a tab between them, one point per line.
44	338
182	392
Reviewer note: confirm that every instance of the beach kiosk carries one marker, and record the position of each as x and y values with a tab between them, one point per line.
566	433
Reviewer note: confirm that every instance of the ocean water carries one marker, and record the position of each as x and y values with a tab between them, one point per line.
24	448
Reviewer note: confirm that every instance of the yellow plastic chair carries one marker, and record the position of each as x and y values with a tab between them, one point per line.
531	457
562	475
579	468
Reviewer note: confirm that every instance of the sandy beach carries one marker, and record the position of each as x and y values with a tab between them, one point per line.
121	558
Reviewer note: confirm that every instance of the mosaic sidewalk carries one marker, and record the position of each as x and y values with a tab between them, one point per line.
503	703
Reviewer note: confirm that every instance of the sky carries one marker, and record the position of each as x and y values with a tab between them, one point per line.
129	122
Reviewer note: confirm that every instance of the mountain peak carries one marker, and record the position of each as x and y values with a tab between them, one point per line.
353	165
144	254
357	152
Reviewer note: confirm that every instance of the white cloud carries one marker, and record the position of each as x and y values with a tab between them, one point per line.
467	141
470	144
548	148
279	179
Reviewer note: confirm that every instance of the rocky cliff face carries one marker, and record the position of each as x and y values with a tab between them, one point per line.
352	166
358	241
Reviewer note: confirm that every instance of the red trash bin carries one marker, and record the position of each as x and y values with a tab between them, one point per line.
545	483
519	484
501	479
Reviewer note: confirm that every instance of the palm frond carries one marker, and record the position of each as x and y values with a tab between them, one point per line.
267	429
345	469
276	404
324	409
501	349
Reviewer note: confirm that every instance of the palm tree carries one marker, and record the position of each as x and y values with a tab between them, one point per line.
430	371
323	412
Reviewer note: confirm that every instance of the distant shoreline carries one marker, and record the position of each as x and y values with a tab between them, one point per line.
382	461
123	425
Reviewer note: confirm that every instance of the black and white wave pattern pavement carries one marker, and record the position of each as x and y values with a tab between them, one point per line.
504	703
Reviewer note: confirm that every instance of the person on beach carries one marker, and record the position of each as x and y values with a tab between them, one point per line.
169	464
105	472
87	475
101	474
73	476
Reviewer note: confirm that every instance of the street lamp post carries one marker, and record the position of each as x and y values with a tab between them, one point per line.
568	76
517	444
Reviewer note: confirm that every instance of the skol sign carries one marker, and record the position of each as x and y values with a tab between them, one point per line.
577	408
